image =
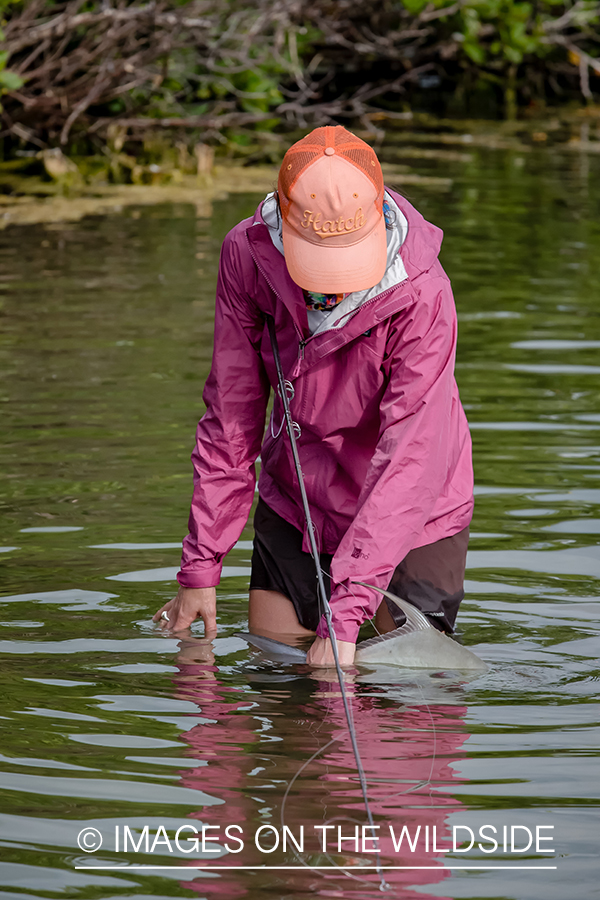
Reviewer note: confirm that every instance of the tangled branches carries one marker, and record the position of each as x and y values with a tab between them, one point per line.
72	63
77	68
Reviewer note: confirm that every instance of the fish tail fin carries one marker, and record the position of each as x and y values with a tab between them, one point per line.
415	618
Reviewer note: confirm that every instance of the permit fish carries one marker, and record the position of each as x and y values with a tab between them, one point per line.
415	645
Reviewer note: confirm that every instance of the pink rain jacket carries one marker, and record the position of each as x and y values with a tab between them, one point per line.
384	444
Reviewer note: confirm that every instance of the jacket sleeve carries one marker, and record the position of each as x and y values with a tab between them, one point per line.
409	468
229	435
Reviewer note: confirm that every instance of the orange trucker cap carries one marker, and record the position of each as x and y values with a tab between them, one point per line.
331	197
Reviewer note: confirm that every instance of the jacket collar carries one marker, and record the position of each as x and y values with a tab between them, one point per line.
272	265
395	272
371	313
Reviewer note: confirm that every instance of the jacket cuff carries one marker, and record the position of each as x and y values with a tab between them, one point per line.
344	630
196	577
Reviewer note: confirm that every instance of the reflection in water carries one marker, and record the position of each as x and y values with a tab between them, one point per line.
407	753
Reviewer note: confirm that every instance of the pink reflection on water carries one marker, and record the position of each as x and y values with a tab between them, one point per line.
256	743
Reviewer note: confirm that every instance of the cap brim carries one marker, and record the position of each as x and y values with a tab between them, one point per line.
331	269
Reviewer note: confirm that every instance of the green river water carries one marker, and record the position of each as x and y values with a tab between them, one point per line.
107	723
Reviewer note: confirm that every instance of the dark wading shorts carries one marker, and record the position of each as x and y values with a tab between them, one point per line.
429	577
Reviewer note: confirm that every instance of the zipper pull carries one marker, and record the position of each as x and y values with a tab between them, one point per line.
301	347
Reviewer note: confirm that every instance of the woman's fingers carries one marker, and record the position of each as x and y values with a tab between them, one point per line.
210	623
183	609
178	618
182	615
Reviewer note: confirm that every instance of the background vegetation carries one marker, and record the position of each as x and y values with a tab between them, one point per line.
84	76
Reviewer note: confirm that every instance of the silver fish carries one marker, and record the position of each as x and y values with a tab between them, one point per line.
415	645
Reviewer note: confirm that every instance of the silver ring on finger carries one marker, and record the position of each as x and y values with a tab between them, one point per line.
165	615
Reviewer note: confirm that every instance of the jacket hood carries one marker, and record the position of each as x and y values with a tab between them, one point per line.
416	240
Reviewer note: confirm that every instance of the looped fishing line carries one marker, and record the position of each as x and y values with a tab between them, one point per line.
384	886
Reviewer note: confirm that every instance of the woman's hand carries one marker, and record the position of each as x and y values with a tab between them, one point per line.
321	653
190	603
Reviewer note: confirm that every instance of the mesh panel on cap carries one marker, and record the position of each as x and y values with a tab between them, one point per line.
315	139
363	159
344	137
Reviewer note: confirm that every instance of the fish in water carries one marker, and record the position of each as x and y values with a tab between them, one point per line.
416	644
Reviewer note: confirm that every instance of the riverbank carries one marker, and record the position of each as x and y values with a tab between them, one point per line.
53	188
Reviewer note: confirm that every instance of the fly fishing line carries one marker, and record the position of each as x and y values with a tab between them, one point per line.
290	428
